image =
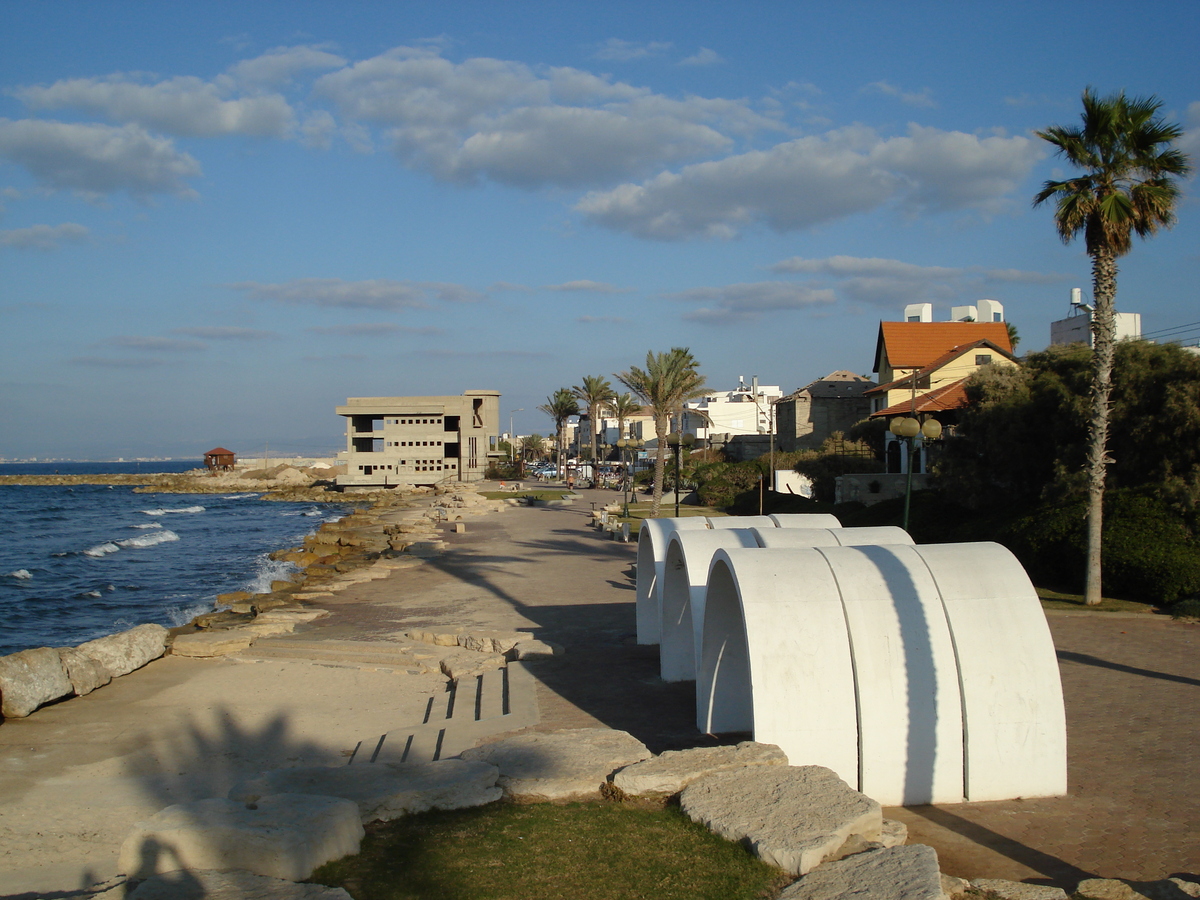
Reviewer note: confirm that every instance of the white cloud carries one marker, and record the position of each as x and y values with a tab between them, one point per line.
44	237
154	344
624	51
1190	142
97	159
922	98
502	120
317	130
704	57
336	293
746	302
281	65
184	106
816	179
593	287
225	333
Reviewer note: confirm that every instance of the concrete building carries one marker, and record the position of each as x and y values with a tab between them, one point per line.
411	441
744	410
1077	327
809	415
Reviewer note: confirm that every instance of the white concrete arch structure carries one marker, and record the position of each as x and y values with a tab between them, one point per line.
805	520
919	674
684	582
652	550
719	522
785	537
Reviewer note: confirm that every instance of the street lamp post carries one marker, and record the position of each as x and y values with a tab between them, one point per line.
909	428
679	441
511	453
631	444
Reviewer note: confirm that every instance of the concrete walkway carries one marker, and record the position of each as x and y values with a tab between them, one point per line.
75	776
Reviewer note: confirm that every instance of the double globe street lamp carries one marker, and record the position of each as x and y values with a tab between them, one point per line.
908	428
631	444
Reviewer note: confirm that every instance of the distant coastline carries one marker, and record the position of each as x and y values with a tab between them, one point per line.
139	467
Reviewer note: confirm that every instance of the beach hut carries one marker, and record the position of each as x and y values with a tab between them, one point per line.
220	460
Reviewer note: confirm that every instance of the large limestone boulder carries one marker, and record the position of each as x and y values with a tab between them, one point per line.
85	673
211	885
674	770
560	765
1000	889
793	817
897	873
1111	889
128	650
30	678
385	792
283	836
207	644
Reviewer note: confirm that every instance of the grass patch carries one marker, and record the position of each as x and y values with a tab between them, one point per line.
505	851
640	511
1058	600
533	495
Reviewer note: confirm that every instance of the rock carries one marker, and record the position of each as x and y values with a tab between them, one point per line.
85	673
463	666
284	836
895	873
384	792
30	678
1111	889
1000	889
426	549
533	649
955	888
560	765
126	651
233	597
293	616
894	834
207	884
206	644
674	770
793	817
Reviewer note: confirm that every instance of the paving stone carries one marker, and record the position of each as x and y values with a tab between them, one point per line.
211	885
894	873
793	817
30	678
207	644
674	770
384	792
1000	889
532	649
560	765
283	836
128	650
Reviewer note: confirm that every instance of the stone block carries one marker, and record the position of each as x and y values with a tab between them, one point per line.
560	765
532	649
30	678
385	792
674	770
469	665
283	836
1000	889
213	885
85	673
897	873
126	651
792	817
1172	888
205	644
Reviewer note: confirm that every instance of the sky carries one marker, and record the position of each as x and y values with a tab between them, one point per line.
220	220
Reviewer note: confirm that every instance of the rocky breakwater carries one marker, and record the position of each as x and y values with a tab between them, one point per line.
279	482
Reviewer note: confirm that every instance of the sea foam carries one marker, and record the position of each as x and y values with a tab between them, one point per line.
182	509
149	540
20	575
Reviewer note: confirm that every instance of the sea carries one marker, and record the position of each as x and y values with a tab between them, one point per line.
82	561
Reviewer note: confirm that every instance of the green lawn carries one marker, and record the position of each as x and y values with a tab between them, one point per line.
508	851
1058	600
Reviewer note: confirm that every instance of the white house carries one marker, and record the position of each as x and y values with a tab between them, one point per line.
744	410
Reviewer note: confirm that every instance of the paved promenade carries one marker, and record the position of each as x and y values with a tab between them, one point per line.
74	776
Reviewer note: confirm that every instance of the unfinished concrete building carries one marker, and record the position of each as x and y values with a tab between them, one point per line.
412	441
804	419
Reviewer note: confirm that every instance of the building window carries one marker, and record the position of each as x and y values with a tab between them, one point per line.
982	359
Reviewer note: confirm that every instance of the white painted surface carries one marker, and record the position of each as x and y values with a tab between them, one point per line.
652	549
906	676
684	583
775	657
740	522
1015	728
805	520
799	538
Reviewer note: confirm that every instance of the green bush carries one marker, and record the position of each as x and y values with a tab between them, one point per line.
1149	553
1186	609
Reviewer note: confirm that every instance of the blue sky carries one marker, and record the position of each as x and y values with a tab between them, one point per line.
219	220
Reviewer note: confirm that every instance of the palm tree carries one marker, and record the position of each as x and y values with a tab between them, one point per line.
1128	185
669	380
624	407
560	406
595	392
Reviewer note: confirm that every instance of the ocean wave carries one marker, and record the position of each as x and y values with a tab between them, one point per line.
148	525
149	540
20	575
161	511
239	496
101	549
90	594
268	570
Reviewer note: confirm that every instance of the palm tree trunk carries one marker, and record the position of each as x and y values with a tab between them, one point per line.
1104	291
660	462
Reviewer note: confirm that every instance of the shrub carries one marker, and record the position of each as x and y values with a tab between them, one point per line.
1186	609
